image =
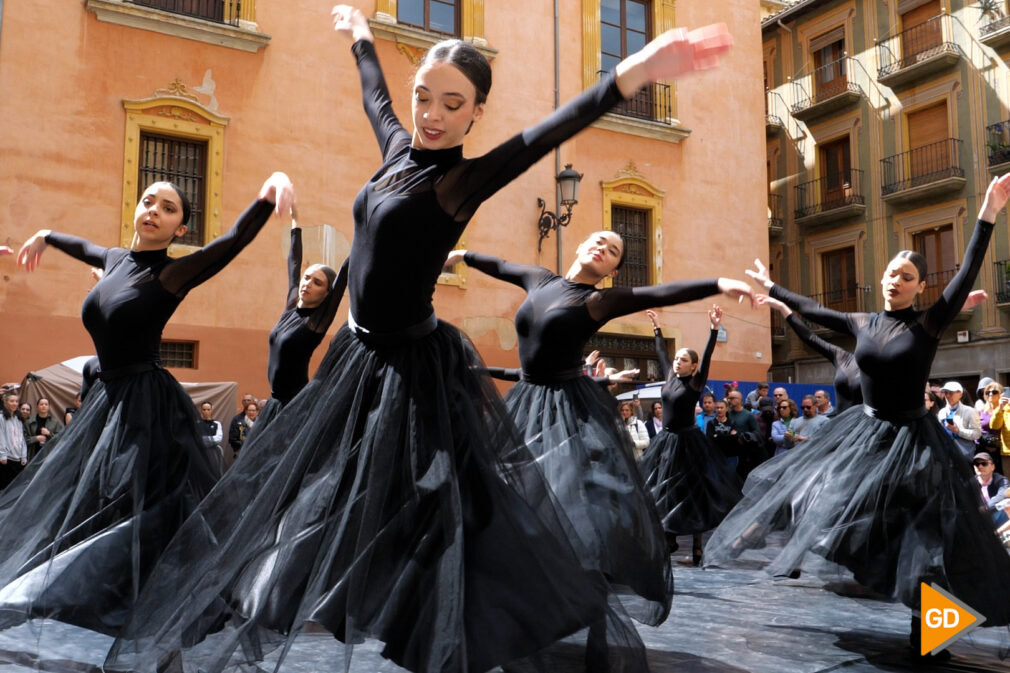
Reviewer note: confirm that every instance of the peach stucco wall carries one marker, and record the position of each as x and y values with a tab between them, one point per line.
295	106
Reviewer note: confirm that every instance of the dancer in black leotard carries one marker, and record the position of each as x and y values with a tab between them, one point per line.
312	303
882	491
84	524
693	485
389	500
569	423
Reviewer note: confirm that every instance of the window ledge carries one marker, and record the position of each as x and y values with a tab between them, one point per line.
245	37
671	133
386	27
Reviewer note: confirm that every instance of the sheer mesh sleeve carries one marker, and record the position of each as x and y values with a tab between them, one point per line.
661	354
617	301
294	266
322	317
942	313
79	248
185	273
473	181
390	134
825	348
701	376
846	323
525	276
503	373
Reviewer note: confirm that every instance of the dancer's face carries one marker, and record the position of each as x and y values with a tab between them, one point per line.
901	284
682	365
443	106
601	253
313	288
158	218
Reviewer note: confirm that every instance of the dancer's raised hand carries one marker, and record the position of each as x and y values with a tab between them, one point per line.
31	252
760	275
673	54
279	191
351	23
715	316
736	289
995	198
765	300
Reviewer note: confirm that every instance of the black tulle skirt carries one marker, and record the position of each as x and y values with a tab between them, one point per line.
390	502
84	523
894	504
693	485
586	456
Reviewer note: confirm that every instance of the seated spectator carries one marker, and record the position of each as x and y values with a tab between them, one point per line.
993	487
635	427
13	448
960	420
41	427
809	423
782	436
707	402
751	403
242	425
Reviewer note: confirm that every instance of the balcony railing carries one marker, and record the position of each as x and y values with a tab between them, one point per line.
220	11
998	142
994	26
775	213
829	193
778	325
847	299
923	165
935	283
1003	281
829	81
915	45
653	102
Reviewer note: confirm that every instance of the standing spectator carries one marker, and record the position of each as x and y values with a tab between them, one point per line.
933	402
991	440
980	400
960	420
655	424
24	413
823	403
751	449
751	403
1000	424
212	436
637	409
722	433
635	427
993	487
242	425
778	395
809	423
13	449
69	412
766	416
707	402
42	427
782	435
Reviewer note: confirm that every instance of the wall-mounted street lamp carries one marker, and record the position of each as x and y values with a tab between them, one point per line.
568	181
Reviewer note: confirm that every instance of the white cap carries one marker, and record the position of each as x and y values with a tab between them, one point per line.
953	387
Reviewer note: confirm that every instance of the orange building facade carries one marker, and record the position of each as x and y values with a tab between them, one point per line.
100	95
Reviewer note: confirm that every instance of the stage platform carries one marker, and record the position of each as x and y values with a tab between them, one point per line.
723	621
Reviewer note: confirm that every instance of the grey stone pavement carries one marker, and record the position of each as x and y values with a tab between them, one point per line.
723	621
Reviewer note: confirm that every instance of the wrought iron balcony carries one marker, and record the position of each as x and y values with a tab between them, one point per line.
778	326
998	143
935	283
996	33
926	170
850	299
774	213
830	198
832	89
1003	282
220	11
916	51
653	102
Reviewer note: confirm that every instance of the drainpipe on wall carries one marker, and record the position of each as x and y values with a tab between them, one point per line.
557	104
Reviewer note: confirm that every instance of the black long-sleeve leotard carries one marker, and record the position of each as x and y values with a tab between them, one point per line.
126	312
846	381
681	393
559	316
413	210
299	330
894	349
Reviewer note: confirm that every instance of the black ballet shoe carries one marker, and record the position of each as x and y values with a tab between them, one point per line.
794	575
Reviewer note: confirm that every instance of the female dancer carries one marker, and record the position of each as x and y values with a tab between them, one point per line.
389	500
568	421
882	491
82	528
693	485
312	303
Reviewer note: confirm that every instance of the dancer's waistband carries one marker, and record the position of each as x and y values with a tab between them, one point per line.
409	333
553	377
128	370
895	416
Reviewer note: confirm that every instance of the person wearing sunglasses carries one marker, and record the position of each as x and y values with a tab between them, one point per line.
990	439
782	435
993	487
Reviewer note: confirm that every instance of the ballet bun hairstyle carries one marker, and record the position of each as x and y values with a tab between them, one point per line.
917	260
187	208
467	59
330	274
